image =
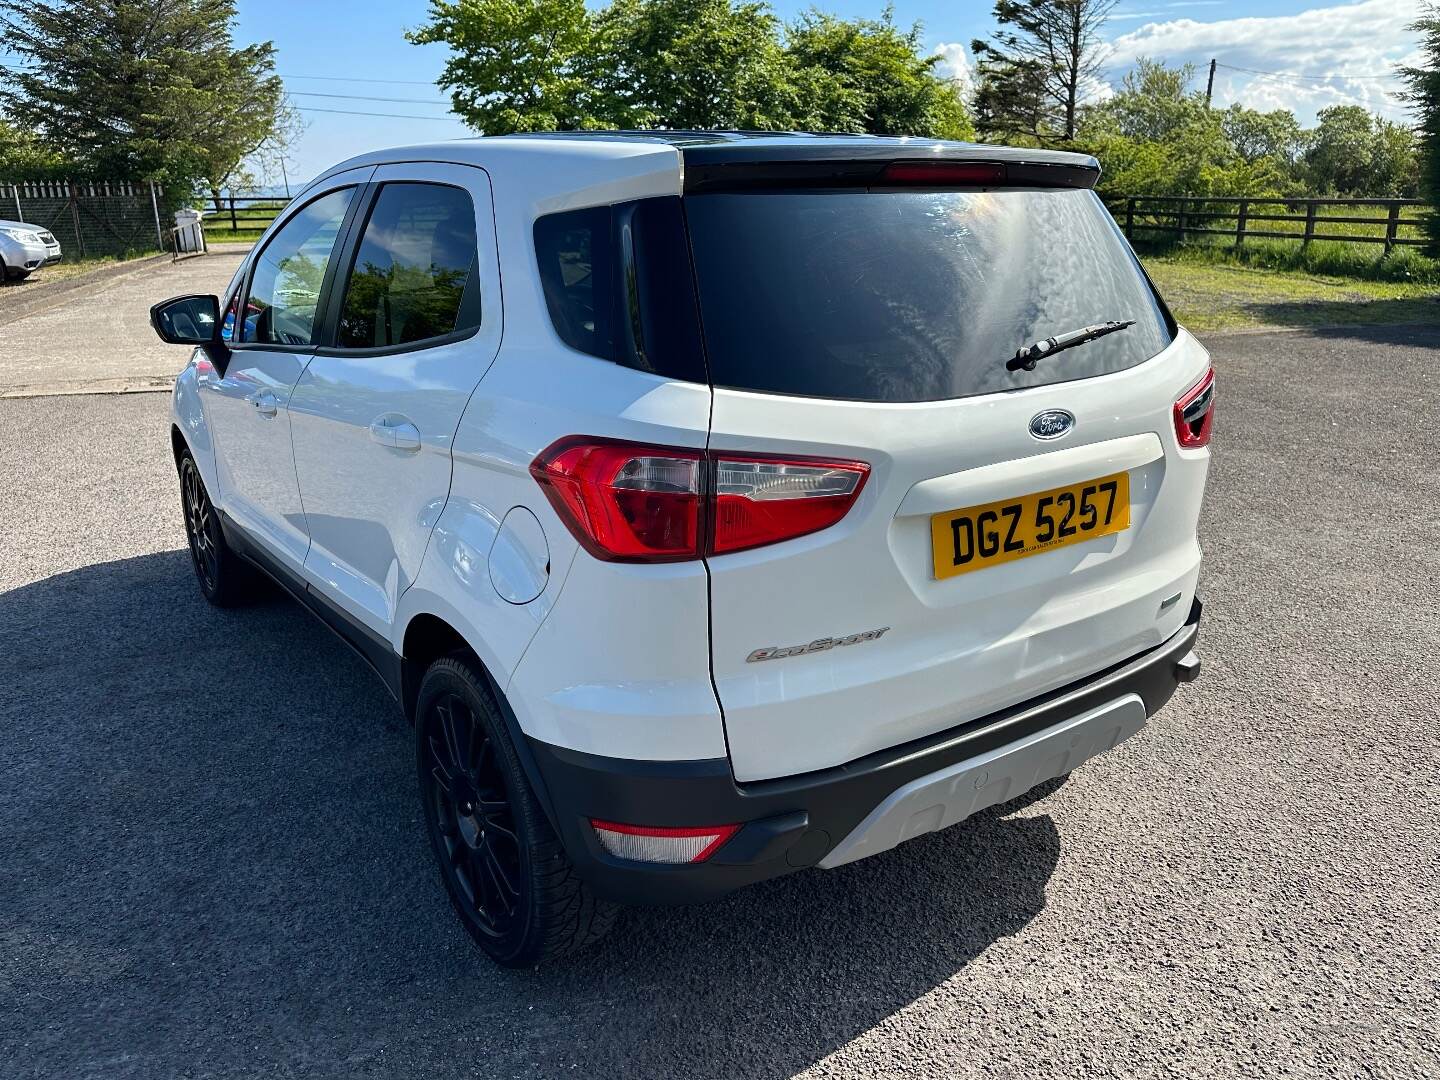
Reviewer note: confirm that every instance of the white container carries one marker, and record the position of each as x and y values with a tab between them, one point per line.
189	231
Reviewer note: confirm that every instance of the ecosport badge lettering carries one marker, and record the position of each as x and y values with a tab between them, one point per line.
776	652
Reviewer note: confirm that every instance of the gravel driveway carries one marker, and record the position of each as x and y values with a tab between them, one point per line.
213	865
98	337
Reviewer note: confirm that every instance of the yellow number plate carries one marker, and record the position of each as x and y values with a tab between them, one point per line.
998	532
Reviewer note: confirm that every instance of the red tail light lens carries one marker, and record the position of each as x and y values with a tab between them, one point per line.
766	500
624	502
632	503
1195	413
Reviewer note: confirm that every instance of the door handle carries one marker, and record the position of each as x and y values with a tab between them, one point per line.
265	402
395	431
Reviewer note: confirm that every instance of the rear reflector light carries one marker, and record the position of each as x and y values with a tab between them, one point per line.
661	844
944	173
1195	413
632	503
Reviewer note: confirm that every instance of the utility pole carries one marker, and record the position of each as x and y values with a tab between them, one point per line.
1210	83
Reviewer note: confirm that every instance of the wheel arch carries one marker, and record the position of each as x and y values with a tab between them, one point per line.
189	430
429	637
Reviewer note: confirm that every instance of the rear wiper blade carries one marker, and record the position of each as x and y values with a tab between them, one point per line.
1027	356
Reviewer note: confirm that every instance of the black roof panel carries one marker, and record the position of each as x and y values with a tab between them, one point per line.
737	146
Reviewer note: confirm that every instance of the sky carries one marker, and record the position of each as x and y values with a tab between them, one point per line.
340	57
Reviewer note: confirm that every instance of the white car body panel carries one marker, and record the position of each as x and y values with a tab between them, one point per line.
254	465
256	485
969	645
625	672
369	505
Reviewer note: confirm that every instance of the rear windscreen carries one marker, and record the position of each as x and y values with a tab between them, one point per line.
912	296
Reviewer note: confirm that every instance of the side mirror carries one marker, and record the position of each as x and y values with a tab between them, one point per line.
191	320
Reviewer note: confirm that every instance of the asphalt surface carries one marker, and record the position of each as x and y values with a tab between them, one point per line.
212	862
97	338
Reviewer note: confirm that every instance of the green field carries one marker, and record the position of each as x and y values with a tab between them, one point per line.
249	221
1155	221
1210	296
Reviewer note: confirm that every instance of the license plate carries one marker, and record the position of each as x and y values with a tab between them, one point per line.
999	532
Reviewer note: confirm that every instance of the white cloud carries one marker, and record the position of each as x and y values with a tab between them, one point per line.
954	63
1357	41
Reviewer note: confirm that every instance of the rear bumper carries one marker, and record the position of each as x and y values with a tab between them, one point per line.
836	815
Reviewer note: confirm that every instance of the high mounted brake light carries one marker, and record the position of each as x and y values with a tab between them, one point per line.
945	173
627	502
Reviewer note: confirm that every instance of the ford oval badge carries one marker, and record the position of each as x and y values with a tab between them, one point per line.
1051	424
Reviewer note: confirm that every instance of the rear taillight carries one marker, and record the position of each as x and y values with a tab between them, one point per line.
627	502
661	844
1195	413
764	500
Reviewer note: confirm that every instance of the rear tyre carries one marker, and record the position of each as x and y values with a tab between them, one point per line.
505	870
224	578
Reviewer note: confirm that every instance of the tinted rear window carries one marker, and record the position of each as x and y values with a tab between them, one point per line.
618	285
912	296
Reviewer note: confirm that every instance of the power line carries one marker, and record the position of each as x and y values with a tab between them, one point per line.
366	97
352	78
1292	75
397	116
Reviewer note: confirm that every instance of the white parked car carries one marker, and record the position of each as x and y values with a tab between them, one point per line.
24	249
714	505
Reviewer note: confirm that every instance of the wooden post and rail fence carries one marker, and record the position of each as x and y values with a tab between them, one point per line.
92	217
1182	216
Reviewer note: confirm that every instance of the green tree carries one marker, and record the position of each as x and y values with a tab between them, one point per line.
690	64
514	64
1038	68
1155	136
879	81
538	65
24	156
1341	154
1424	98
1155	103
1256	136
150	89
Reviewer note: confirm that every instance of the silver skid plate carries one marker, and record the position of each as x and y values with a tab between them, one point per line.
953	794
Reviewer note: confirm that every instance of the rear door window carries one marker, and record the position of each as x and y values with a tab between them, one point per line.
409	281
912	295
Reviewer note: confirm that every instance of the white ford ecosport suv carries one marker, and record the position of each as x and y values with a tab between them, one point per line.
714	505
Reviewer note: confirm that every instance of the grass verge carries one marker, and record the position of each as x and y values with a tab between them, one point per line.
1210	295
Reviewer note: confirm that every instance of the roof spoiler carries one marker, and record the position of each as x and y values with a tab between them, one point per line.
747	168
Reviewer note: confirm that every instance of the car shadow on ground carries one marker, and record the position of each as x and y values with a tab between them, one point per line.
214	863
1362	316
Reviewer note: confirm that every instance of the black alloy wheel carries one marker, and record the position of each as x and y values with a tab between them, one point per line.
474	819
202	527
506	872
